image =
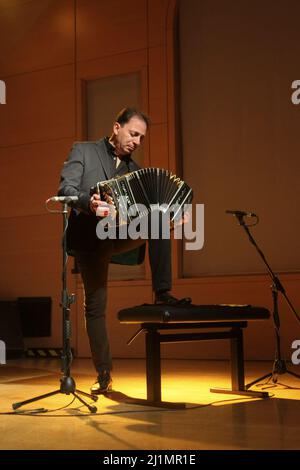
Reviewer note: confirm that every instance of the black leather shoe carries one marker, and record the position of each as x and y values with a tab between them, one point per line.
165	298
103	383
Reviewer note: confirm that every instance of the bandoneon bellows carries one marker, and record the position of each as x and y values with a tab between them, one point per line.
138	193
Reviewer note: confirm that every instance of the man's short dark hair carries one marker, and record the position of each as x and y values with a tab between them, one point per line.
126	114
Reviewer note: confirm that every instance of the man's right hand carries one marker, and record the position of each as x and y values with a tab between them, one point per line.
98	207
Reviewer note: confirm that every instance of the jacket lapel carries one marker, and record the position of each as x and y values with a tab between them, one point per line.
104	158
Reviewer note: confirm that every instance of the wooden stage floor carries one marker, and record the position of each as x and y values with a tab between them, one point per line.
210	421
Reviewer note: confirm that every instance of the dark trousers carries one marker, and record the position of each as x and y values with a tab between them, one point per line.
93	267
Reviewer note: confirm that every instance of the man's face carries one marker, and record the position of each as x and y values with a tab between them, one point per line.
129	137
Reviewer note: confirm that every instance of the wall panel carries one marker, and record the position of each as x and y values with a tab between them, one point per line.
107	68
157	21
107	28
30	175
30	254
159	146
35	35
158	85
40	107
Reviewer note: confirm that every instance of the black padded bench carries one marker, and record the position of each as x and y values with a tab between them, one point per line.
223	321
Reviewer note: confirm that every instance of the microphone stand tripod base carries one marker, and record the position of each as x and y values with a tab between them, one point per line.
67	387
279	364
279	368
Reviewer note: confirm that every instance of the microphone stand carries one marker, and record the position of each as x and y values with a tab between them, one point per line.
279	365
67	383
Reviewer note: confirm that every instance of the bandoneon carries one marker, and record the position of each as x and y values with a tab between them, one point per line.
138	193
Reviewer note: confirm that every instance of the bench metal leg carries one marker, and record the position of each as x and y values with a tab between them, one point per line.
153	375
237	361
153	372
153	366
237	369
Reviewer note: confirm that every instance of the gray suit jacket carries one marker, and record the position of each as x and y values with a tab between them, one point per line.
87	164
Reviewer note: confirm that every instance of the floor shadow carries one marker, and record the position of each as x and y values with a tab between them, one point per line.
259	424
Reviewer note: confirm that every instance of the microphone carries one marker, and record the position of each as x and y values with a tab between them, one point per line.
63	199
241	213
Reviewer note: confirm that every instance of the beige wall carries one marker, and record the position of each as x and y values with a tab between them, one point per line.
240	130
49	49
